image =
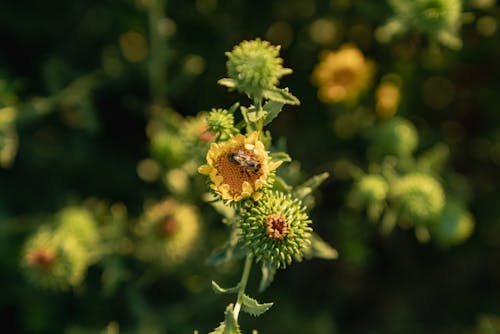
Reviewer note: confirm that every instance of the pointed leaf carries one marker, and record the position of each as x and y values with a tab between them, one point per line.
320	249
280	95
253	307
219	290
268	272
229	83
281	185
280	156
229	325
234	107
310	185
272	108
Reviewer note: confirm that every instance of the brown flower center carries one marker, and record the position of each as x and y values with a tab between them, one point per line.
168	227
276	226
344	77
237	167
41	258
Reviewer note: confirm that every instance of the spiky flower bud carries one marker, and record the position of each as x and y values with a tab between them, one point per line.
221	122
372	188
455	226
276	229
79	223
420	197
254	67
54	261
396	136
168	233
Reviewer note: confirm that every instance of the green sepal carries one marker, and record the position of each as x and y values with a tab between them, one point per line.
280	95
306	188
280	156
320	249
232	250
220	290
227	82
229	325
253	307
272	108
268	272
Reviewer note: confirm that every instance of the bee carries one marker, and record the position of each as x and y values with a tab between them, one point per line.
242	159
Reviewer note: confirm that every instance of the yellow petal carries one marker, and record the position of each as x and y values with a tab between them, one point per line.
274	165
256	196
205	169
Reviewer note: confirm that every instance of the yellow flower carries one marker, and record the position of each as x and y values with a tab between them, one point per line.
238	168
343	75
387	96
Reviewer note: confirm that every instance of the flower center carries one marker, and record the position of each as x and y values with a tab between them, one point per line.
276	226
168	227
40	258
344	77
238	166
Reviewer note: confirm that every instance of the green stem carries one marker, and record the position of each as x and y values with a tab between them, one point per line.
243	284
258	109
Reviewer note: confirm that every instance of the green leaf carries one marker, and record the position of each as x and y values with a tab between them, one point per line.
268	272
281	185
232	250
229	325
320	249
219	290
306	188
280	95
229	83
253	307
234	107
280	156
272	108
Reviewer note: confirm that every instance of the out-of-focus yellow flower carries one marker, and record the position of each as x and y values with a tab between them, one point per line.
343	76
239	167
387	97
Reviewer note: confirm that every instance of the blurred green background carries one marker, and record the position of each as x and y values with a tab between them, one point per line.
82	77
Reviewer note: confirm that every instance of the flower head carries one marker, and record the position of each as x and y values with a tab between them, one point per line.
54	261
221	122
169	233
276	229
254	67
420	197
343	75
387	96
238	168
396	136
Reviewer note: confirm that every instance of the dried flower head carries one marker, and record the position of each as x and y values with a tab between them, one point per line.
343	75
238	168
276	229
254	67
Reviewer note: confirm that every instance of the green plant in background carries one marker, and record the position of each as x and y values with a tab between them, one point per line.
267	218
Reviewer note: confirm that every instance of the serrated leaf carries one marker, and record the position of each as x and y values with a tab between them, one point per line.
306	188
320	249
268	272
280	95
272	108
253	307
280	156
229	325
227	82
219	290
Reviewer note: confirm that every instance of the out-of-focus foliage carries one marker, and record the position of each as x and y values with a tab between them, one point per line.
104	225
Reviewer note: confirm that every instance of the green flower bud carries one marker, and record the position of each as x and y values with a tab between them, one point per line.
168	148
396	136
276	229
221	122
253	67
54	261
372	188
420	197
79	223
433	16
455	226
169	233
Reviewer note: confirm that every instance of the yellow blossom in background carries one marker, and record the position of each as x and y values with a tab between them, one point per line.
239	167
387	97
342	76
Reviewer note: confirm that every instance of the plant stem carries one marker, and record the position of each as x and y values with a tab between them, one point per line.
243	284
